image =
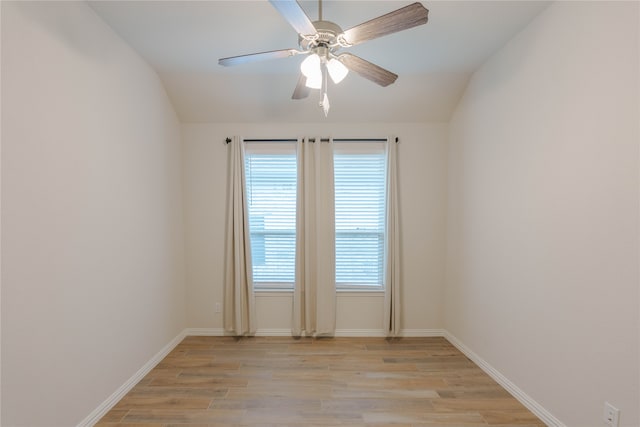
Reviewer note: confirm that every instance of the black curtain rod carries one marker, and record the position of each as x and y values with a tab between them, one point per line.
269	140
353	139
228	140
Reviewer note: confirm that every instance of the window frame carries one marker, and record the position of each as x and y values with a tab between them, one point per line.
356	147
275	147
366	147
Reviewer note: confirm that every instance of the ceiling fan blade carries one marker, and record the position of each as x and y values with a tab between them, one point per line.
253	57
294	15
367	69
404	18
301	91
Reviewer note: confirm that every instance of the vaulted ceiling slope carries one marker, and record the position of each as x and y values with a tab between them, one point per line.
183	40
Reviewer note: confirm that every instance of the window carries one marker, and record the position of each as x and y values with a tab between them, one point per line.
360	174
359	180
271	173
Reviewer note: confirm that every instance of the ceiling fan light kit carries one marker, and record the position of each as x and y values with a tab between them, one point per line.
311	68
321	41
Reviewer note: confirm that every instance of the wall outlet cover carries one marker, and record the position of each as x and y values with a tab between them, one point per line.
611	415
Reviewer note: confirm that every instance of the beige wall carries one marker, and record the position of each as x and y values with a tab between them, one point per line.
422	165
92	249
543	212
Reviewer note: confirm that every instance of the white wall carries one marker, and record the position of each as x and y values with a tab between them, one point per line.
543	212
92	238
422	165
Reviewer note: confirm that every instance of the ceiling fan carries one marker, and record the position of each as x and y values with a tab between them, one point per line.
322	40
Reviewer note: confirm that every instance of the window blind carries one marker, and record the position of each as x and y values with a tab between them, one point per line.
271	199
360	216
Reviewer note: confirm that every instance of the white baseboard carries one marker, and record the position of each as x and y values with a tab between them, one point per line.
112	400
421	333
204	332
346	333
273	332
286	332
537	409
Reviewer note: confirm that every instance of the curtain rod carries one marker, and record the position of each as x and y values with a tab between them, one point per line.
228	140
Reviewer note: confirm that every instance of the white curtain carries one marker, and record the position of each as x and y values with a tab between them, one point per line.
392	295
314	298
239	306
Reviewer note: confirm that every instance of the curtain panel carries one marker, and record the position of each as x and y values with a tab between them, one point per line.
239	304
314	298
392	301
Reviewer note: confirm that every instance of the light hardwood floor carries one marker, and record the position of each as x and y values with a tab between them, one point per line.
278	381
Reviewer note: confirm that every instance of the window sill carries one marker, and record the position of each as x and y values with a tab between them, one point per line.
339	292
273	291
360	292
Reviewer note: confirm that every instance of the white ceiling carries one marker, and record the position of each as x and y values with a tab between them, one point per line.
182	41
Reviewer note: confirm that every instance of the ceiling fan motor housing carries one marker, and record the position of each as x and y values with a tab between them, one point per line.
326	36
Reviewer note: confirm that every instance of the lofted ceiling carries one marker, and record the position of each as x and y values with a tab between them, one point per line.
183	40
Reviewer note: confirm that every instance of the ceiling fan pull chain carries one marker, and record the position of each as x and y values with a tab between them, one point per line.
324	99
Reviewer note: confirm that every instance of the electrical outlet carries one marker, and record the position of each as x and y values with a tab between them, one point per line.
217	309
611	414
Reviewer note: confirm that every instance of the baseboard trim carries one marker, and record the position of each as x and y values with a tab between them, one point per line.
112	400
422	333
353	333
204	332
273	332
285	332
537	409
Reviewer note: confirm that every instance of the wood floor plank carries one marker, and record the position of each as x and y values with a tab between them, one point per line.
114	416
281	381
184	416
373	404
198	382
212	392
103	424
281	403
511	417
477	404
469	419
136	402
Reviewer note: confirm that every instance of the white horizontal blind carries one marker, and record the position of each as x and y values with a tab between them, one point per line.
360	215
271	174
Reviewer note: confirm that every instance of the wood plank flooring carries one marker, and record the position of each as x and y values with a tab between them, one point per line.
279	381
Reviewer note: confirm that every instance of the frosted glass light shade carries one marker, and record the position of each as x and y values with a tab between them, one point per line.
311	65
314	81
337	70
310	68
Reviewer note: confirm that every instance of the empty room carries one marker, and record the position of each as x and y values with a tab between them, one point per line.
320	213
